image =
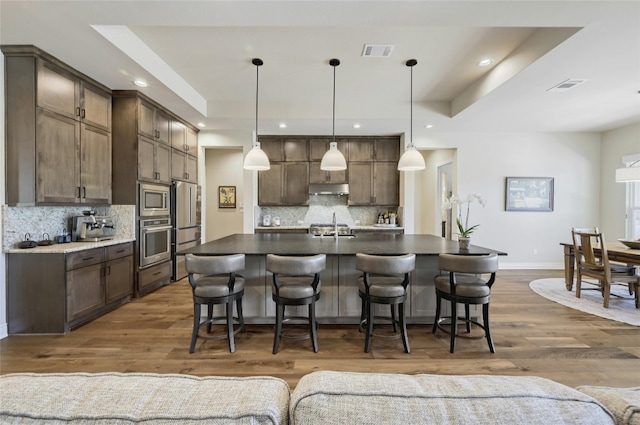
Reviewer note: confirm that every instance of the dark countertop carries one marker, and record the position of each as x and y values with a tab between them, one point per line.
303	244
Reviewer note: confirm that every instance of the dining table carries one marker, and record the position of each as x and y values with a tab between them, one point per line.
616	251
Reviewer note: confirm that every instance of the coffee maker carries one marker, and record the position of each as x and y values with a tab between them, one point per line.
92	228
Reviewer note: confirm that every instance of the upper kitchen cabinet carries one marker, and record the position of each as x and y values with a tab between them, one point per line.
374	149
153	122
184	167
289	149
374	183
139	154
184	138
285	183
58	132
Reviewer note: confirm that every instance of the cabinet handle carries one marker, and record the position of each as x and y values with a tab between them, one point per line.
82	114
107	271
120	250
87	258
186	147
157	273
78	111
79	192
186	176
84	192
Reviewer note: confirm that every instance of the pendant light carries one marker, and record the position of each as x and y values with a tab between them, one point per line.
256	159
411	159
333	160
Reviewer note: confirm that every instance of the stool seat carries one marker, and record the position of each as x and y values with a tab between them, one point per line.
216	286
296	282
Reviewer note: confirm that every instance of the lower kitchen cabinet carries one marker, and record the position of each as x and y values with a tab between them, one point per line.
153	277
56	292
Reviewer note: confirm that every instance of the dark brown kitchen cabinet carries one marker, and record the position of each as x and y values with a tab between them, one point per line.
58	129
285	183
287	149
374	183
374	149
57	292
183	166
316	175
154	161
183	138
154	122
317	148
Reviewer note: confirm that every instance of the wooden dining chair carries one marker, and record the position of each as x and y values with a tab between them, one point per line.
597	266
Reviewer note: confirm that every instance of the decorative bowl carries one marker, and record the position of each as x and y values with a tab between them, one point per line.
630	244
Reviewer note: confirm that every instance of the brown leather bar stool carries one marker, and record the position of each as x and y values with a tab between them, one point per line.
464	283
296	281
214	281
385	280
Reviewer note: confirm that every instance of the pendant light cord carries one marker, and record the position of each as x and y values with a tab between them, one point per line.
333	131
411	63
258	63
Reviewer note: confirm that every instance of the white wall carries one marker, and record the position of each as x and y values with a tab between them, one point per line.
483	161
615	144
427	215
221	169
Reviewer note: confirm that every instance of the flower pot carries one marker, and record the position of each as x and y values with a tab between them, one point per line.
464	242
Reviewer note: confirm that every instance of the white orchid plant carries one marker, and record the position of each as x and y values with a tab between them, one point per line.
463	226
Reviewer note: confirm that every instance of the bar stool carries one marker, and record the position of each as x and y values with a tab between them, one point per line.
296	281
214	281
384	281
465	284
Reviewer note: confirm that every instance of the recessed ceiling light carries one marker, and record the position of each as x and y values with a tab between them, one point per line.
428	126
356	125
201	125
485	62
282	125
141	83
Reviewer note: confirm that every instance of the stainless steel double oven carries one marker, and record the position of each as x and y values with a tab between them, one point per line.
154	224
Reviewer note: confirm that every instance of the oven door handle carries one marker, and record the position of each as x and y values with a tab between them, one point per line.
155	228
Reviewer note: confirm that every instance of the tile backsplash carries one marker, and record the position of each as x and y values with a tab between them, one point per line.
320	210
36	221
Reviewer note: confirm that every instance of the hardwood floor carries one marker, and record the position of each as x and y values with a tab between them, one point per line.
532	336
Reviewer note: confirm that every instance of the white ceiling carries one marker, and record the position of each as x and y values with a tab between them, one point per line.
196	55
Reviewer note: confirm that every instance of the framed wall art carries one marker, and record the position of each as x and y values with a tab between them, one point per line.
529	194
226	196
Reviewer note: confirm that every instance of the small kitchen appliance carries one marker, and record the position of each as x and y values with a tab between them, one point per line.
92	228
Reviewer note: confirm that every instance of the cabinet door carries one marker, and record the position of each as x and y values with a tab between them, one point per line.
95	106
95	166
178	160
387	149
296	150
316	175
118	279
163	126
192	142
146	117
146	161
85	291
178	136
361	150
360	183
57	159
273	148
270	185
58	91
386	183
192	169
163	163
296	183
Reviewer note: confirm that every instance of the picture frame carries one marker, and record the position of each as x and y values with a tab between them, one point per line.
226	196
529	194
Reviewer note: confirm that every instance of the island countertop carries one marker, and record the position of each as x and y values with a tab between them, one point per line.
304	244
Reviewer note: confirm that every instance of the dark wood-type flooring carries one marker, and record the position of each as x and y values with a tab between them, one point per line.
533	336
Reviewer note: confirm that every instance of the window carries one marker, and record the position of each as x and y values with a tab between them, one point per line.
633	211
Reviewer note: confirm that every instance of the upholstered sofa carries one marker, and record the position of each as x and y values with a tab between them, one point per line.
322	398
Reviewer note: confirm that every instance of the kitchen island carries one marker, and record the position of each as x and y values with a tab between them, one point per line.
339	300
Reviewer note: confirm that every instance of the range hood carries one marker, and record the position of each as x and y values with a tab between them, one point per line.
329	189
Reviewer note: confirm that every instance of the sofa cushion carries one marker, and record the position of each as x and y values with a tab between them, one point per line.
624	403
375	398
110	398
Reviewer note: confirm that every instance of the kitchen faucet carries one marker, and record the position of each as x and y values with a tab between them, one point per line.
335	227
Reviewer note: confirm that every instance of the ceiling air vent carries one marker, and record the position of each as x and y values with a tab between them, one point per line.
377	50
566	85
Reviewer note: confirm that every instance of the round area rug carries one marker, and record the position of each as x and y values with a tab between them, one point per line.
620	310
